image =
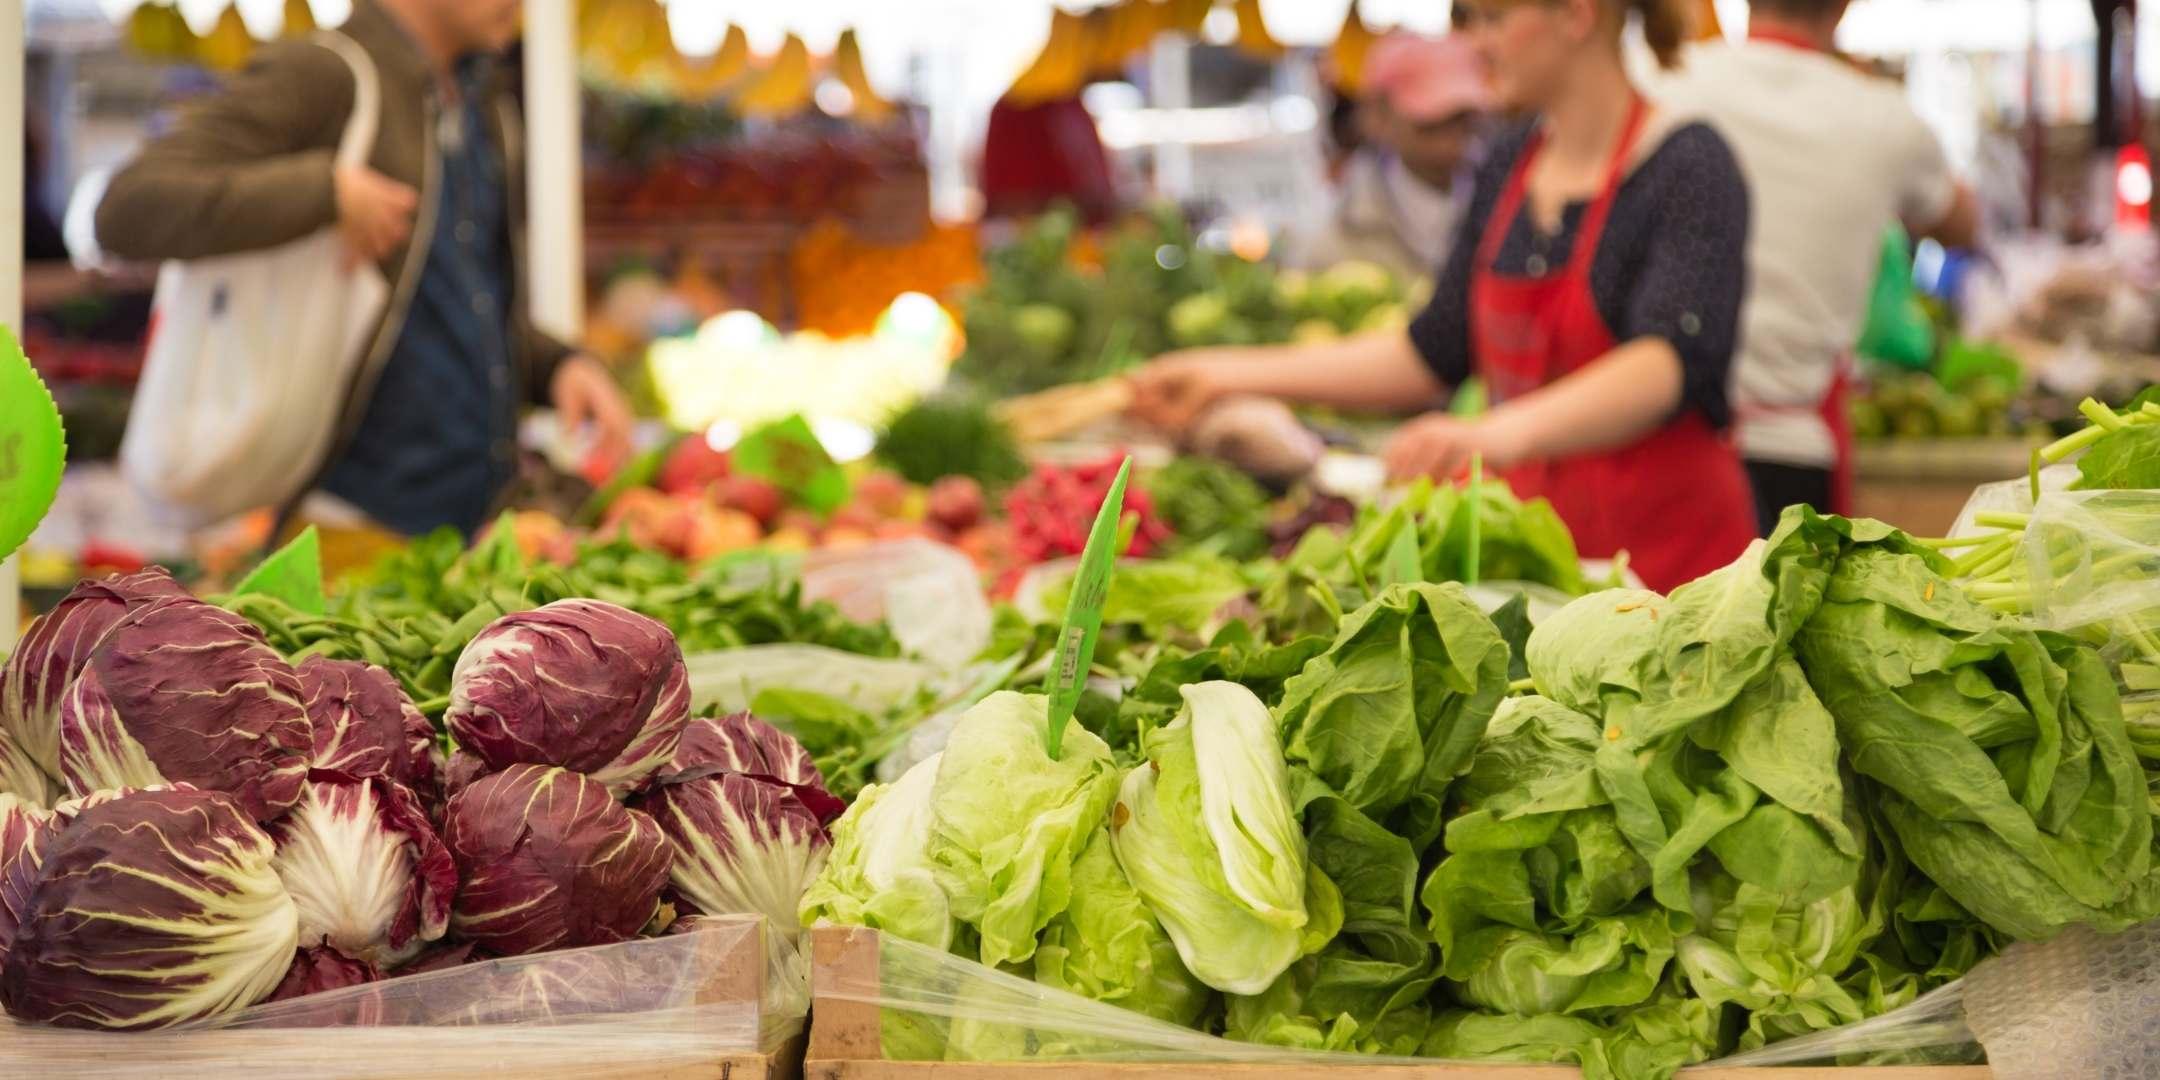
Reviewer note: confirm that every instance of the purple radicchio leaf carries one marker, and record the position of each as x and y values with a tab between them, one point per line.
742	743
572	684
320	968
150	909
547	859
365	725
187	692
365	867
54	650
24	829
637	765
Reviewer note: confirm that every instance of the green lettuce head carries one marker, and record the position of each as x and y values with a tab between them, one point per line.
877	874
1008	822
1108	946
1207	835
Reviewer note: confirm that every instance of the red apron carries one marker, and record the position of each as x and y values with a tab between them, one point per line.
1835	407
1676	500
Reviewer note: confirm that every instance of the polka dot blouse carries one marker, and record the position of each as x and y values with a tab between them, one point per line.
1673	264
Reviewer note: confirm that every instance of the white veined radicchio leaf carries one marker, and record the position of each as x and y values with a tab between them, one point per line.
740	844
21	777
547	859
150	909
572	684
365	868
54	650
190	693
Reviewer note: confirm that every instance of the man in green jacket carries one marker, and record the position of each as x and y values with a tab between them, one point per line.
440	207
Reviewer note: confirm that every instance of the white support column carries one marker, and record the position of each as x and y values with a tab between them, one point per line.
12	17
555	228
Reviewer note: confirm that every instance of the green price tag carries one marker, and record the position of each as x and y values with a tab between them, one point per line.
292	574
788	454
1083	611
33	448
1472	557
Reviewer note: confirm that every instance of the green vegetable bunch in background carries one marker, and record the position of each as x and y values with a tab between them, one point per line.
1041	318
414	611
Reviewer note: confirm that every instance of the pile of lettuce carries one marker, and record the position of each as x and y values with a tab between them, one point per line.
1794	794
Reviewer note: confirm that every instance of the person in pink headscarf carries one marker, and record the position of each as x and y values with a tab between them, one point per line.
1403	192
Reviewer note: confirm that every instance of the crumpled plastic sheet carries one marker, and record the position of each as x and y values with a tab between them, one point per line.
647	1005
2082	1005
930	594
732	678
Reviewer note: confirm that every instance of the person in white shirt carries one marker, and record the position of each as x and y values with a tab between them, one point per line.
1404	191
1833	156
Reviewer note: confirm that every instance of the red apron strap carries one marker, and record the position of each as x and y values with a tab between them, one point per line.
1600	212
1510	204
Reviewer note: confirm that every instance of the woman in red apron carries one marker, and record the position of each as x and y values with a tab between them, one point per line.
1596	290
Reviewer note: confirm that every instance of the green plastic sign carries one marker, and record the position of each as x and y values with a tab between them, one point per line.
788	455
292	574
33	447
1083	611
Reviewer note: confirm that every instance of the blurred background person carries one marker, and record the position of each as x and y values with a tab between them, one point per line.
1401	193
1833	156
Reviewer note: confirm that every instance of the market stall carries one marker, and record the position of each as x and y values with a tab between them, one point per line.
911	700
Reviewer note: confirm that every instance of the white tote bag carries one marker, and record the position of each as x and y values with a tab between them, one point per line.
253	357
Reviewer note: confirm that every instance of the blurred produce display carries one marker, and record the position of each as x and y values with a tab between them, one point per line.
787	174
1054	308
843	283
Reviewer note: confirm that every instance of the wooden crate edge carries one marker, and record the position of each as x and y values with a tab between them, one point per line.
845	1044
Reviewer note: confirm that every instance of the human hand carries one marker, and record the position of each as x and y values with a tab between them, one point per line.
375	213
1440	446
585	395
1176	388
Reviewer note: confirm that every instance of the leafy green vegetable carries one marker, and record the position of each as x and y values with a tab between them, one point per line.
1213	505
1389	715
1426	536
1009	821
1182	598
878	874
2006	771
951	434
1207	836
415	610
1108	946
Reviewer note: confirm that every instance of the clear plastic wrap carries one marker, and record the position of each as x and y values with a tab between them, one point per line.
2092	562
2080	1005
930	594
732	678
643	1007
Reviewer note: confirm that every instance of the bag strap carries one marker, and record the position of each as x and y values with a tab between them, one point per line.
355	146
358	142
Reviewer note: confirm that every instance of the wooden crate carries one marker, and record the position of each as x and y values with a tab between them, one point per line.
845	1045
458	1053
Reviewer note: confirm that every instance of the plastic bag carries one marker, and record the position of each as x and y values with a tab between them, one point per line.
678	1002
929	594
2092	562
2080	1005
732	678
2083	1004
1897	330
2009	496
